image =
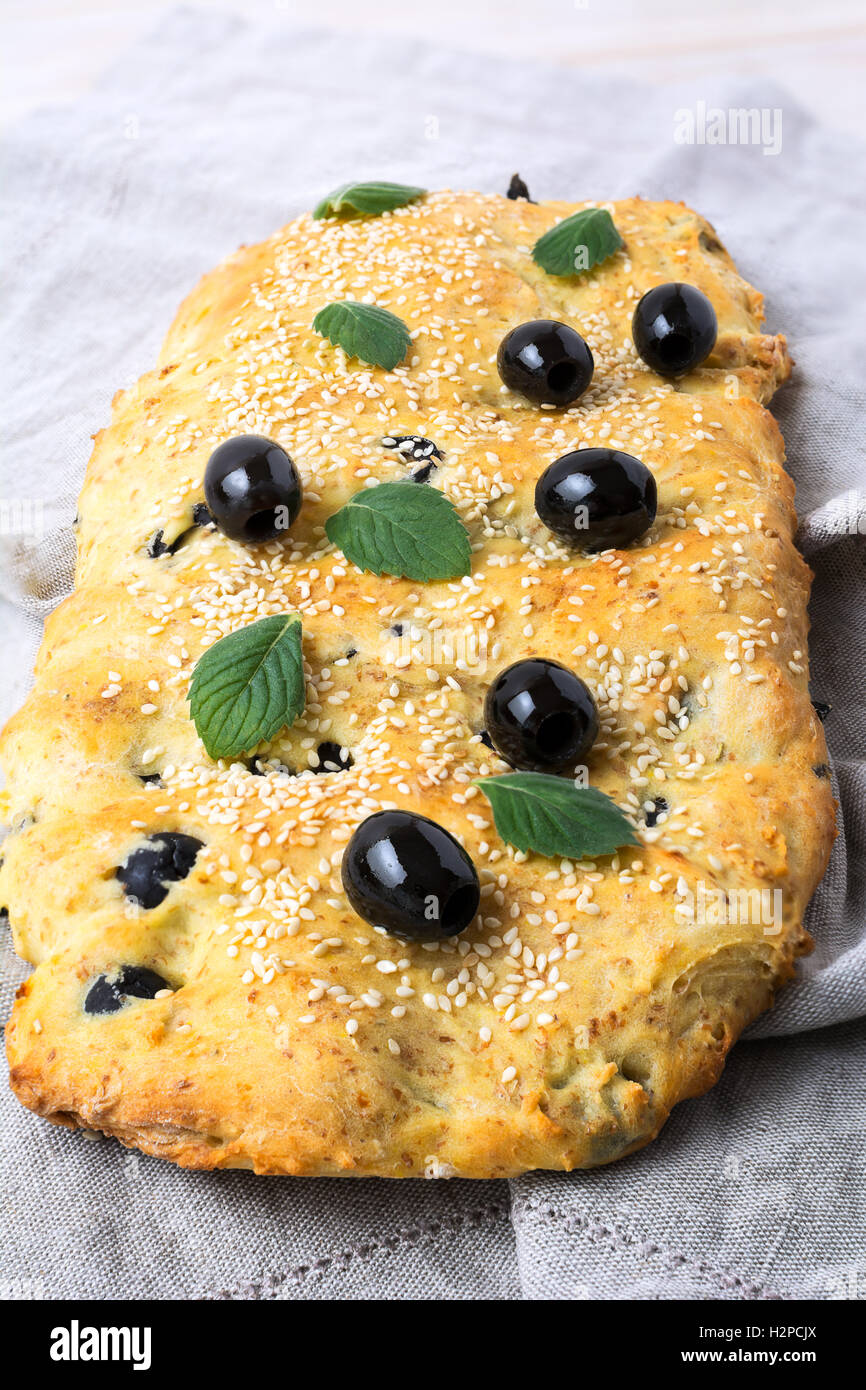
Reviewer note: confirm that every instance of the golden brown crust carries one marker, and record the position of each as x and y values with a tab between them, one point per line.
561	1028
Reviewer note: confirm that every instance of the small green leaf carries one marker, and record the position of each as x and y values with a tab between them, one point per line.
406	529
365	331
248	685
535	811
577	243
370	198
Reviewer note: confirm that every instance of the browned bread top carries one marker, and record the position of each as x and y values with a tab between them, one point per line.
588	997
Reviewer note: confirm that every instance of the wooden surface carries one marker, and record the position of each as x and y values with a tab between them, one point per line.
53	49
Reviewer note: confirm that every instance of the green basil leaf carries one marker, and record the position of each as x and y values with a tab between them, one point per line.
365	331
370	198
577	243
535	811
406	529
248	685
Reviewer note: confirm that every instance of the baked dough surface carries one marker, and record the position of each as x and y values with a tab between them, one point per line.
585	1001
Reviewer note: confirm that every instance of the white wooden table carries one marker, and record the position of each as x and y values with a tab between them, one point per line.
53	49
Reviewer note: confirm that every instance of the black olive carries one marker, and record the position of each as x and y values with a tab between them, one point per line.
659	808
410	876
252	488
517	189
540	716
423	475
166	858
674	328
412	446
109	993
331	759
597	499
156	546
545	361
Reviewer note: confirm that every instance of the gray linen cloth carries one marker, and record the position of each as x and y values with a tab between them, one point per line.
213	132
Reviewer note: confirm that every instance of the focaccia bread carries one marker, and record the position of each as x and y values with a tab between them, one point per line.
588	996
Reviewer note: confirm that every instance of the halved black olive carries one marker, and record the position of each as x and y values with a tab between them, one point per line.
330	755
157	547
517	189
412	446
659	808
165	859
423	475
109	993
